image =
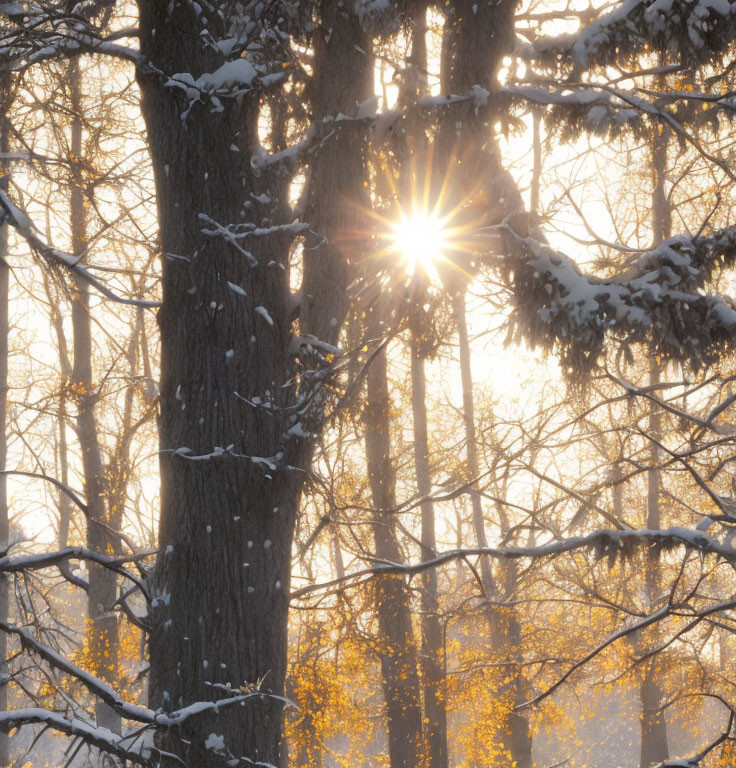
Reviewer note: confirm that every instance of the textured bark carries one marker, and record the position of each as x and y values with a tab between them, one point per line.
4	349
102	630
226	525
338	202
432	652
399	676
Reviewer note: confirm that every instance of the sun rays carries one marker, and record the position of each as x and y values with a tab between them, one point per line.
434	228
420	239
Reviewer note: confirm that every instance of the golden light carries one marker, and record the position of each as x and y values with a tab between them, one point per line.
421	240
429	230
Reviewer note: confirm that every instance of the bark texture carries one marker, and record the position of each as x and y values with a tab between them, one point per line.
221	582
4	350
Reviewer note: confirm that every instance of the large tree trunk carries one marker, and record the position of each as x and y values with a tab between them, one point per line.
399	676
102	635
219	620
433	673
4	349
468	170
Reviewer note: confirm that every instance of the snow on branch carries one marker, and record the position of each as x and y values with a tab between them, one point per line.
35	562
659	300
608	543
33	32
235	233
102	738
595	109
19	220
690	32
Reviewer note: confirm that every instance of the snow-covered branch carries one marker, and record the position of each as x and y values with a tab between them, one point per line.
688	32
101	738
22	224
607	543
36	31
112	698
663	290
35	562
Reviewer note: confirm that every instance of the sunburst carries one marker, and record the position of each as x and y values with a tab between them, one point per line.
429	235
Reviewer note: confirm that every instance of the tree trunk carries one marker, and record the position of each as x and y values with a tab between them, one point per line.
221	584
102	635
503	623
433	675
471	447
4	350
399	676
654	743
65	506
536	165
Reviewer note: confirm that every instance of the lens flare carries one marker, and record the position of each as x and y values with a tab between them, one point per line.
420	239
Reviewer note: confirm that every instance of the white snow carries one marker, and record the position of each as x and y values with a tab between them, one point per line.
235	74
263	312
479	95
237	289
215	742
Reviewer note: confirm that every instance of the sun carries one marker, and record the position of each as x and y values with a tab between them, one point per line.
421	239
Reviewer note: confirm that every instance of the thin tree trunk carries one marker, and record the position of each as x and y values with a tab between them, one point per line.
64	503
399	675
65	508
413	146
503	624
654	742
471	447
432	657
4	350
337	554
102	635
536	165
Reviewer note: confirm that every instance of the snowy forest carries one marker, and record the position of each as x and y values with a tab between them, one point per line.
367	384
